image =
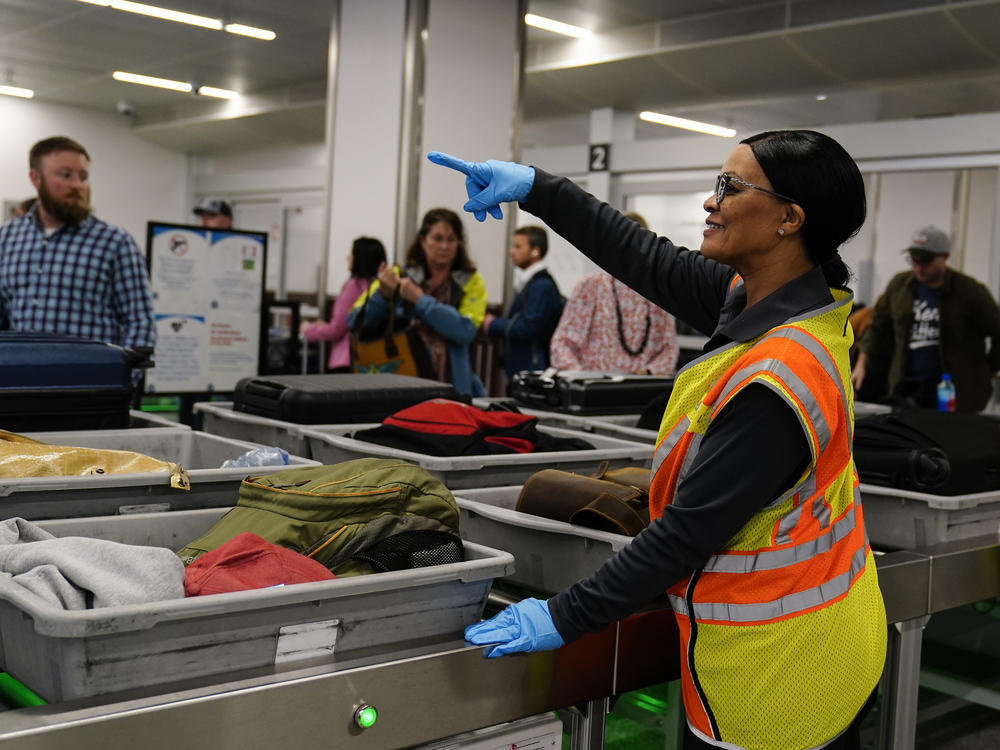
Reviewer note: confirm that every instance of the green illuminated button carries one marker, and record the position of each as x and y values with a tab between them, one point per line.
365	716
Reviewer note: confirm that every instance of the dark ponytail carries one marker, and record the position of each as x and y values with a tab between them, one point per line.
825	182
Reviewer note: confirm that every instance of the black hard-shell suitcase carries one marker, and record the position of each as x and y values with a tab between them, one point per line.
941	453
55	382
346	398
579	392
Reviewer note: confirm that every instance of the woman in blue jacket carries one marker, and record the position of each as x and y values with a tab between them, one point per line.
446	293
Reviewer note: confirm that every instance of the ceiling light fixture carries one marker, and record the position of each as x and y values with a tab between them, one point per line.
162	83
541	22
680	122
167	14
237	28
16	91
217	93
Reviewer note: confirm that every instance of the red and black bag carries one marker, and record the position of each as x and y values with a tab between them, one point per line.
440	427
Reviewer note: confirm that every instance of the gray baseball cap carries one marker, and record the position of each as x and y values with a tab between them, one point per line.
213	206
929	240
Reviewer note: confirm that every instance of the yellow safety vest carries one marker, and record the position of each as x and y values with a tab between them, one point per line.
783	630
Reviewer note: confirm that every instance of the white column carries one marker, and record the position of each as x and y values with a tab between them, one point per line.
470	110
363	160
602	128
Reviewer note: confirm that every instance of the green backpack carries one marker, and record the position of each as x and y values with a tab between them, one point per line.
355	517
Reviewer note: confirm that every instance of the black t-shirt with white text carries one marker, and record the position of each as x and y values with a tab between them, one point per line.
923	361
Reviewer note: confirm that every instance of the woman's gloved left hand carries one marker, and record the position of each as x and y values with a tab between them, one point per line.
525	626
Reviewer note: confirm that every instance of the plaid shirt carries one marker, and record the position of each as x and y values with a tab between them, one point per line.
86	280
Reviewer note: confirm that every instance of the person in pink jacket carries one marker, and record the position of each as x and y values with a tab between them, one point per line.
367	253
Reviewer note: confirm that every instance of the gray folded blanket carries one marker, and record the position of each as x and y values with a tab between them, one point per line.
82	573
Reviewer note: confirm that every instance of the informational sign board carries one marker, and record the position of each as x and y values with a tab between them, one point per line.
208	292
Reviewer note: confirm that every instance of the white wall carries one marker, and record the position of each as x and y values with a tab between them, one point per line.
132	181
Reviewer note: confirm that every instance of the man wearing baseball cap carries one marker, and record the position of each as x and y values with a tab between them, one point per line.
215	213
932	320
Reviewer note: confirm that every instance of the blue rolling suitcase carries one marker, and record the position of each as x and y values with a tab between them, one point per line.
55	382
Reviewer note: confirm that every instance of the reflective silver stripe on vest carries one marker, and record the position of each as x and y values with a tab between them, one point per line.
689	454
779	558
806	490
826	362
667	444
821	511
795	385
786	605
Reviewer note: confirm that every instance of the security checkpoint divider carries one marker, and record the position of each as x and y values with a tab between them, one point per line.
63	654
548	555
331	444
199	453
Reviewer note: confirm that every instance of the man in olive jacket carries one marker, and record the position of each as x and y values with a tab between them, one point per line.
930	321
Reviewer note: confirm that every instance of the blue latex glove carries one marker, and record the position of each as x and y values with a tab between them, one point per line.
525	626
489	183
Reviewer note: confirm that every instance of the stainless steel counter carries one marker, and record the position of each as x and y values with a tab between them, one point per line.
444	689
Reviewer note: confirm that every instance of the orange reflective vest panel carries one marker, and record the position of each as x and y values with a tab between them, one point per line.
783	630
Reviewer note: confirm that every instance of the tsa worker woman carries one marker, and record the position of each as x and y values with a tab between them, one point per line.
447	294
758	537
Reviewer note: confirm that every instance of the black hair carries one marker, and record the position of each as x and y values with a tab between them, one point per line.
822	178
367	254
537	237
415	254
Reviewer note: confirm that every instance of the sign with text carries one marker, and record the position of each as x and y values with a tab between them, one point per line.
208	290
600	157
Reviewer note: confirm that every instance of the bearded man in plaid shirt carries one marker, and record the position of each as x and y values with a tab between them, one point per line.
63	270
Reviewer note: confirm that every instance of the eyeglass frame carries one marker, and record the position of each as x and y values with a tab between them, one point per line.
723	179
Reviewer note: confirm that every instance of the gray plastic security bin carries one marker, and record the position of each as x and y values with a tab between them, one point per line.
548	555
902	519
63	654
330	444
219	418
137	419
199	453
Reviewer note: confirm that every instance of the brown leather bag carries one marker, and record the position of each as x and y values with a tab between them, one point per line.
614	500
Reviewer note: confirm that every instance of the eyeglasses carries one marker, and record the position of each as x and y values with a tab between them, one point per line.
922	259
722	188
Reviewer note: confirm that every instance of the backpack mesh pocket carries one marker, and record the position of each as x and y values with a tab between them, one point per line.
413	549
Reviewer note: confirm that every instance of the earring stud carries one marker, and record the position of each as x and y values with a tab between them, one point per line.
781	231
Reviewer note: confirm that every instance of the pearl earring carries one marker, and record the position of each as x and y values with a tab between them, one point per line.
781	231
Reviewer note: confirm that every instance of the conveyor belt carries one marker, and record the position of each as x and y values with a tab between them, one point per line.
450	688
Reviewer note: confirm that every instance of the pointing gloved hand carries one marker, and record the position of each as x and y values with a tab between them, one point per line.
525	626
489	183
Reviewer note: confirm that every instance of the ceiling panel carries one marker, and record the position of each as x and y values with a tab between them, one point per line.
982	25
756	66
902	47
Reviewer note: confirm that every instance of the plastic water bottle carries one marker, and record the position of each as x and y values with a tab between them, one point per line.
946	394
263	456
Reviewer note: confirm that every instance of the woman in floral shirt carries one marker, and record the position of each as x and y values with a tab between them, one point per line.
609	328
